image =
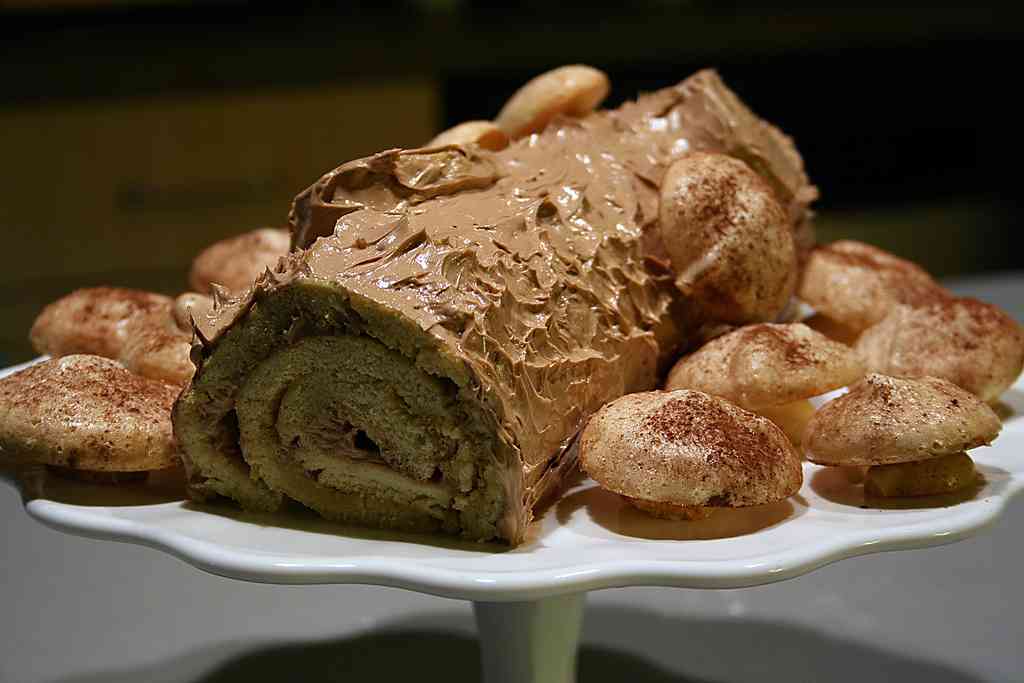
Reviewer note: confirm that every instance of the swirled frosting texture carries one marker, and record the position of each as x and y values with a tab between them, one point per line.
537	268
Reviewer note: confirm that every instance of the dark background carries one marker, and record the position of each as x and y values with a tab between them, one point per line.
135	133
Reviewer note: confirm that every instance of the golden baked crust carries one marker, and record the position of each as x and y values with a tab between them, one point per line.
884	420
857	284
690	449
236	262
767	365
971	343
86	413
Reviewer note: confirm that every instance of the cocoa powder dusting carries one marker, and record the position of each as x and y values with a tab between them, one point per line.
715	199
796	351
721	434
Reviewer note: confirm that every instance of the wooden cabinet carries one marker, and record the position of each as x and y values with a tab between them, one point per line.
101	186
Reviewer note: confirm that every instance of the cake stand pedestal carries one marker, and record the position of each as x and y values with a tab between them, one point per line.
533	641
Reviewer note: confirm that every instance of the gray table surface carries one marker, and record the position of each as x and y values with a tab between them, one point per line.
82	611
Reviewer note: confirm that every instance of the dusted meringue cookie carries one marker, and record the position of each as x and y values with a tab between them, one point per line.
86	413
483	133
236	262
884	420
137	328
573	90
770	369
857	284
731	248
93	320
767	365
671	452
973	344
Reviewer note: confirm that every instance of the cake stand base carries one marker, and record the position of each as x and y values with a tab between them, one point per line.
530	642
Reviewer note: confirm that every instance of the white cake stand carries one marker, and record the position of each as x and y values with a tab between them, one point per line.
529	600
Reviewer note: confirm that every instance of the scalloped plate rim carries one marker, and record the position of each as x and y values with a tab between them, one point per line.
518	585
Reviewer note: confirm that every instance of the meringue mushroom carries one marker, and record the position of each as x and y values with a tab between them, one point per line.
892	424
87	414
973	344
770	369
573	90
92	320
856	284
727	238
679	454
134	327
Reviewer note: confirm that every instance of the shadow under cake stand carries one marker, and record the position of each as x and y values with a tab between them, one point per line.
528	600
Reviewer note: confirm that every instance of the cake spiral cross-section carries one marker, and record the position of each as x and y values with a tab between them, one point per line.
452	316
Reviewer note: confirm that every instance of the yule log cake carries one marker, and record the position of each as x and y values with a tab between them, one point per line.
451	316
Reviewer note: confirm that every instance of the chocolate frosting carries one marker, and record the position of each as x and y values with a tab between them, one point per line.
538	268
700	113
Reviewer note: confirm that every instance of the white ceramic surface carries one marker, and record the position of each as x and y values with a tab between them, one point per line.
587	540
